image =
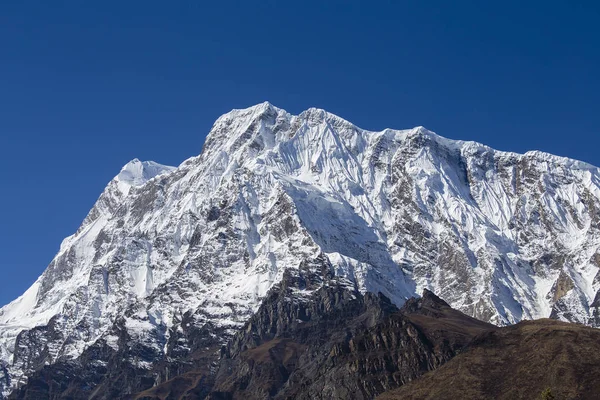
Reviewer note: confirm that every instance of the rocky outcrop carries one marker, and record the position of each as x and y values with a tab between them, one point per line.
329	341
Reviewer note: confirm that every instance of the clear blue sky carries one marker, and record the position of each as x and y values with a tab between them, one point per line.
85	86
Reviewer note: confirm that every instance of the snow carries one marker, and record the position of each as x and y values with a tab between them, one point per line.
20	307
136	173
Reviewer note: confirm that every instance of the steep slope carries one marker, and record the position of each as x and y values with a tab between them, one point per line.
500	236
517	362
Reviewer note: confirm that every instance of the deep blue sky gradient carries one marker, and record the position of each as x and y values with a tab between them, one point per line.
86	86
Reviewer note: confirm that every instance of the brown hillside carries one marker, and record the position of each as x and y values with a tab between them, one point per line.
517	362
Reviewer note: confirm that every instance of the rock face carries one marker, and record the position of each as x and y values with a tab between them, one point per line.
341	345
171	262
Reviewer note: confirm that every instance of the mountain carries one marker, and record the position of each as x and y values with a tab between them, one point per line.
171	262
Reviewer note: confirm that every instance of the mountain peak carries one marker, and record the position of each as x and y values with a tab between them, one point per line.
251	112
136	173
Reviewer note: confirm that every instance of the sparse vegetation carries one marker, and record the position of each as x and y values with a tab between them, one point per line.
547	394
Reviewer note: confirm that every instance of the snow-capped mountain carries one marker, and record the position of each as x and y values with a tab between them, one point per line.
500	236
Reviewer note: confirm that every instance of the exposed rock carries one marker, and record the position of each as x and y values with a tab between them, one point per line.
331	343
561	287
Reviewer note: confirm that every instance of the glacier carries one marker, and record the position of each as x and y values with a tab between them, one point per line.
500	236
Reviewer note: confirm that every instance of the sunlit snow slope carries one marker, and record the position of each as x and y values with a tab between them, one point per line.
500	236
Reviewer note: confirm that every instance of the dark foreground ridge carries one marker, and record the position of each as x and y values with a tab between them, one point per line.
543	359
317	337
